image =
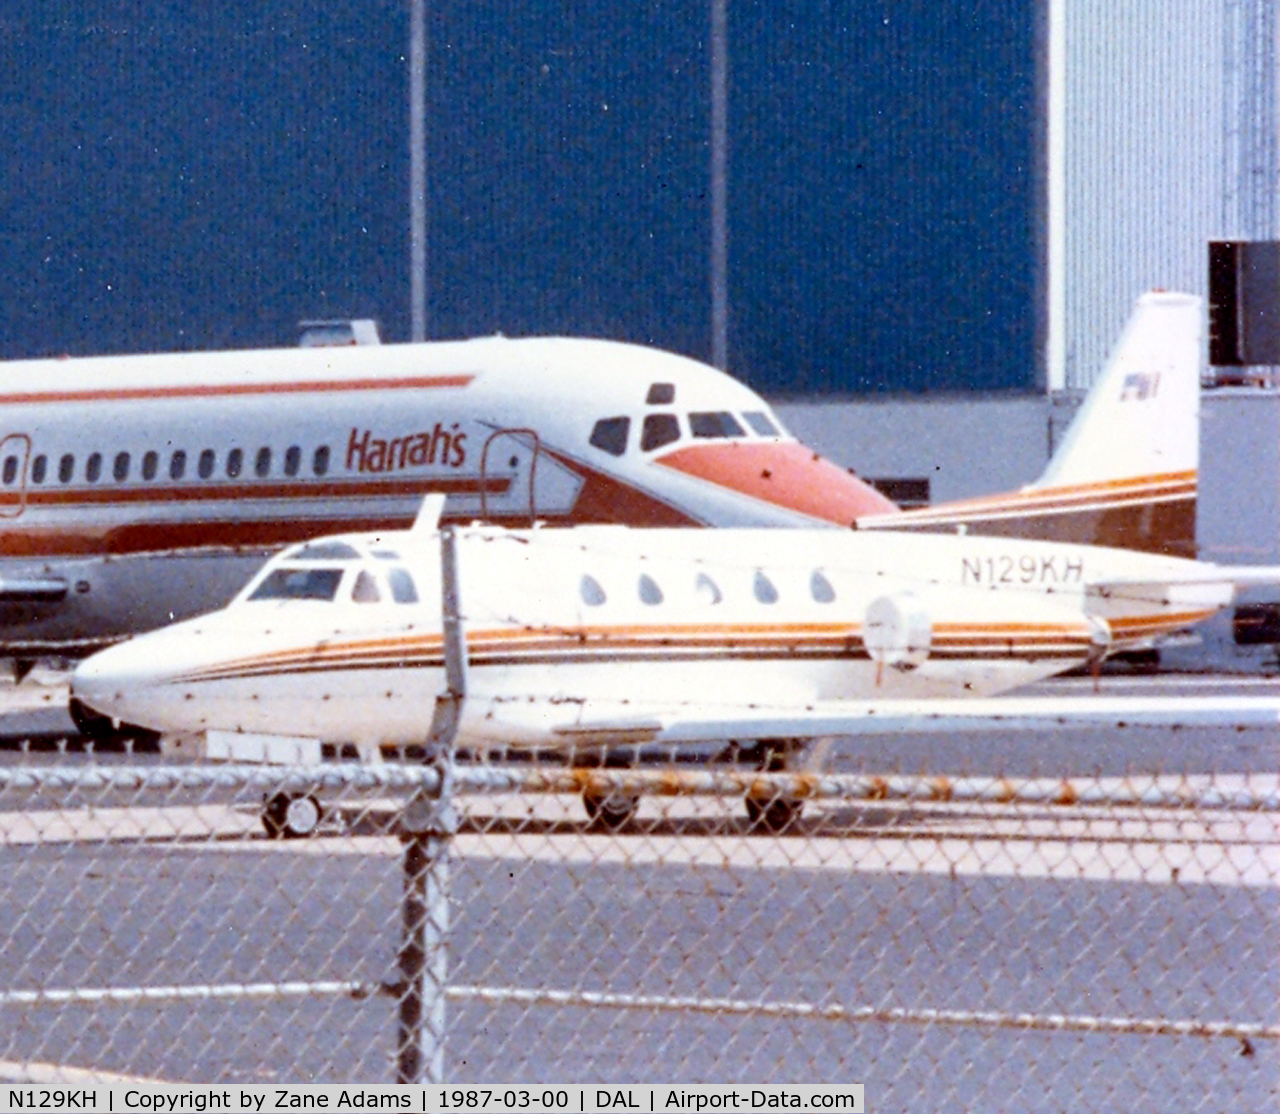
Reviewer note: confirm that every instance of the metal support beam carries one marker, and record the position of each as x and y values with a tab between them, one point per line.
430	823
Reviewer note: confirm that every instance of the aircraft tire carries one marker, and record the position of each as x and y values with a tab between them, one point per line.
774	816
610	812
291	816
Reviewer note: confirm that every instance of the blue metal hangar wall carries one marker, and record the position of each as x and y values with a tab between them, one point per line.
200	176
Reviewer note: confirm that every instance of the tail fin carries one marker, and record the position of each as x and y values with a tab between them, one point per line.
1141	419
1125	475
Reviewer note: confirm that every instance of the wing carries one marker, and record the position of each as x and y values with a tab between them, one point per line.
694	725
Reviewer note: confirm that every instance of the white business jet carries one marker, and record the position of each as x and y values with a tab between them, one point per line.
589	639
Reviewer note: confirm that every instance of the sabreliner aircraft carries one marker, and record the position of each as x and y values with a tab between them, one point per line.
139	489
586	639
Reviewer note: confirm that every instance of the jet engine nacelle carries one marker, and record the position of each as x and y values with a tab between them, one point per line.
897	631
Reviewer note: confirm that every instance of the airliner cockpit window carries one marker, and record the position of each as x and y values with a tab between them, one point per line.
759	421
713	423
659	430
298	584
661	394
610	434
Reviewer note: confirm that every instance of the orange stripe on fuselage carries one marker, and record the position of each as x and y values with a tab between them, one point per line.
231	390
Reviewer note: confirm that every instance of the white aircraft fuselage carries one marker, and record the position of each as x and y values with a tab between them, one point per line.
599	635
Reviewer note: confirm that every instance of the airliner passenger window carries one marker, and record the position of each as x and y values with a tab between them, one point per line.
591	592
710	423
262	463
150	465
661	394
177	465
93	467
650	593
66	467
298	584
10	469
763	588
38	468
365	589
120	467
659	430
402	586
759	421
610	434
235	463
292	458
820	588
320	462
208	459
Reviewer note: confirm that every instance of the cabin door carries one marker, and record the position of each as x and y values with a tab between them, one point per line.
15	459
508	475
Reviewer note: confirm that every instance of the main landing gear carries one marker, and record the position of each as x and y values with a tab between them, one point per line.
291	815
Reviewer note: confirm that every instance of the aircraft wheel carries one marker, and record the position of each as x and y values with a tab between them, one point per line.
610	811
774	816
291	816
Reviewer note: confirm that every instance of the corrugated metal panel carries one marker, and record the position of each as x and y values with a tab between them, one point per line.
1168	139
1143	159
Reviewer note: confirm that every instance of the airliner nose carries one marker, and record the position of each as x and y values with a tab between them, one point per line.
785	474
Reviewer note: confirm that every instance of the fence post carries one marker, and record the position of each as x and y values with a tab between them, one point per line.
429	824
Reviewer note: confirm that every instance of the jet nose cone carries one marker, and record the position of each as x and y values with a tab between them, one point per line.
786	474
100	681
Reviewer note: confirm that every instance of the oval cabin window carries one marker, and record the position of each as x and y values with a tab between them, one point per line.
763	588
820	588
650	593
591	592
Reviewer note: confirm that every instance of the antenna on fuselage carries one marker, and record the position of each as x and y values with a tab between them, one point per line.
428	520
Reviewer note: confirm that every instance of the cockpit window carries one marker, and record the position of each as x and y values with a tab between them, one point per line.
713	423
402	586
298	584
365	589
324	551
661	394
659	430
759	421
610	434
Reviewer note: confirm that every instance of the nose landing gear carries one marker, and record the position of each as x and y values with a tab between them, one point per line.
291	815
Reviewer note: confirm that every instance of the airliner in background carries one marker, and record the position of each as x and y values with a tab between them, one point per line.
136	490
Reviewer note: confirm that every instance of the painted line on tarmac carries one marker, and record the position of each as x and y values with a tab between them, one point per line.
32	1071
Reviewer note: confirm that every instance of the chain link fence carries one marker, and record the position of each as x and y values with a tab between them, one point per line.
968	943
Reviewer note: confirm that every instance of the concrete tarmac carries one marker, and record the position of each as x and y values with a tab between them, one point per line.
1005	957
